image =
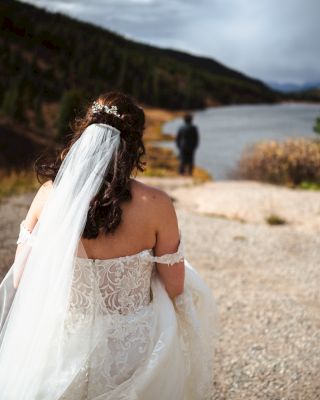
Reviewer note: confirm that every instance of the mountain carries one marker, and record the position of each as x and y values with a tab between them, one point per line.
44	54
312	95
293	87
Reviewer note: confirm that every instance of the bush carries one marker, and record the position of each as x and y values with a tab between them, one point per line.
309	185
290	162
316	127
274	219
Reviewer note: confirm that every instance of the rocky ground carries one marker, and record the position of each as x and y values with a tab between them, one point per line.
265	280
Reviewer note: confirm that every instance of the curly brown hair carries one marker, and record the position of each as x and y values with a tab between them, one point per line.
105	213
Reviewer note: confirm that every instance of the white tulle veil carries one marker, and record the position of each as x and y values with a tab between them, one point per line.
33	348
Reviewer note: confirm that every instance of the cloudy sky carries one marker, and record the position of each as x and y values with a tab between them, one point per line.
274	40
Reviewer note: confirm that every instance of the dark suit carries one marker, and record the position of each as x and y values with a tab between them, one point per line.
187	140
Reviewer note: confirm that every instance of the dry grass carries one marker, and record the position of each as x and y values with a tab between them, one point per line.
155	118
162	162
17	182
290	162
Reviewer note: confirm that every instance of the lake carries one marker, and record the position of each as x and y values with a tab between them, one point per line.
226	131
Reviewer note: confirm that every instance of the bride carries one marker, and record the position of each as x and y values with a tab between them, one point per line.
100	302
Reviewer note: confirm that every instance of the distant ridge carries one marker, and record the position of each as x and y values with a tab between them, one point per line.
54	53
211	65
293	87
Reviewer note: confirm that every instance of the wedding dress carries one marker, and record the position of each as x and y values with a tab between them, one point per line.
113	334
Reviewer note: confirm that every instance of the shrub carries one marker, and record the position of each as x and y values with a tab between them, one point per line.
316	127
274	219
309	185
290	162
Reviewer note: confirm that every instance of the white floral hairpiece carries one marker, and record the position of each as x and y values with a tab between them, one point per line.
97	107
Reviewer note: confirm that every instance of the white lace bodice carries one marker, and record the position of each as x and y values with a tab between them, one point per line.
119	285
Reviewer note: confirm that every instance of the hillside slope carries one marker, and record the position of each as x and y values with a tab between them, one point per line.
51	53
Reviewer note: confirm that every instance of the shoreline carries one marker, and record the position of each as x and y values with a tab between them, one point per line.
163	162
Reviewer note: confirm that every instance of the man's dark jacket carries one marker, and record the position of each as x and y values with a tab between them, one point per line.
187	138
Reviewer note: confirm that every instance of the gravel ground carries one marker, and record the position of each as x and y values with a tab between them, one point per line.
252	202
266	283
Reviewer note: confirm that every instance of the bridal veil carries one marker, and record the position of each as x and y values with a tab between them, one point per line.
32	352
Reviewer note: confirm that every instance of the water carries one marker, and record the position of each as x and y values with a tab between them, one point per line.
226	131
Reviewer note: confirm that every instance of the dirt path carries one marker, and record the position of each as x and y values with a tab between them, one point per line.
266	283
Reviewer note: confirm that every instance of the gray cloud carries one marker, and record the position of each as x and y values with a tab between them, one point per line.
268	39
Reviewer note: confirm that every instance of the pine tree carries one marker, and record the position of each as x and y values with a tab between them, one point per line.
155	87
122	71
37	106
70	104
12	104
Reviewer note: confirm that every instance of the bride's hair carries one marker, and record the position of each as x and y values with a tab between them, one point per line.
104	211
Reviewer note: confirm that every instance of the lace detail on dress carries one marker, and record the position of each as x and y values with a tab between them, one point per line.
171	258
123	347
120	285
113	297
115	286
110	298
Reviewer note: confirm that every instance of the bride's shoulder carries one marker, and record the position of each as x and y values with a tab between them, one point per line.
42	195
150	194
44	190
47	185
37	204
154	202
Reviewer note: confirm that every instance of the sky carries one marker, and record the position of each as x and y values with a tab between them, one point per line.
272	40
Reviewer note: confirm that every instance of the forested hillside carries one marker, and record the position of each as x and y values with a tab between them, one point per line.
52	65
44	54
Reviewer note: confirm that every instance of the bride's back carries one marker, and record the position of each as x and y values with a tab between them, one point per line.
148	221
138	228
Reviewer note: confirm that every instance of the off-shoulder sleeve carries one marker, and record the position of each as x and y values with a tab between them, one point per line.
171	258
24	234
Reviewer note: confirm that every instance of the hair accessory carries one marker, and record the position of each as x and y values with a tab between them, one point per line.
97	107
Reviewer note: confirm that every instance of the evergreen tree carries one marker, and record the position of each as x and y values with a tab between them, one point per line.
12	105
71	102
122	71
37	106
155	87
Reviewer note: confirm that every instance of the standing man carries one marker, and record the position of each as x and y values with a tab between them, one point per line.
187	141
